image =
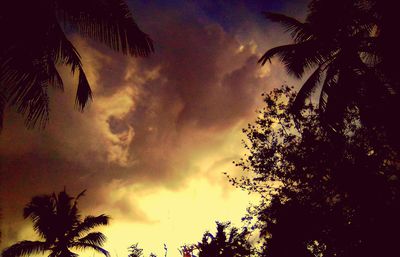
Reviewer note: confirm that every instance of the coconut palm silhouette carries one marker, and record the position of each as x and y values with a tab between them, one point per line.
343	44
57	221
34	43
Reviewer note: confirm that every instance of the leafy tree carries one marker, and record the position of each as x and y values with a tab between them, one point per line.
348	46
135	251
36	43
227	242
57	221
322	194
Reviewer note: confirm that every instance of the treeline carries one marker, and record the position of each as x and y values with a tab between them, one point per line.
59	224
325	160
327	163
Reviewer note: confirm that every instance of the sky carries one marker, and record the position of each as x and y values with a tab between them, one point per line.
153	146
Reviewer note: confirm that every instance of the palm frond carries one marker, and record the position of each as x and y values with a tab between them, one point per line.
89	223
274	51
329	82
299	57
25	83
306	90
299	31
26	73
33	48
68	253
38	206
344	84
82	246
83	92
28	69
80	195
67	214
94	238
63	203
62	252
74	209
33	100
109	22
63	51
37	110
41	211
55	79
25	248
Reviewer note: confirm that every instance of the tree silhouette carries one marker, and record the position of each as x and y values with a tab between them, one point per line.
57	221
227	242
335	196
348	48
135	251
35	43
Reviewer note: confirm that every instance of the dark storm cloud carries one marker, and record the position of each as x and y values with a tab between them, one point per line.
147	118
197	64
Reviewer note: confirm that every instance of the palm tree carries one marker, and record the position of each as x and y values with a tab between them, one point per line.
57	221
338	44
34	43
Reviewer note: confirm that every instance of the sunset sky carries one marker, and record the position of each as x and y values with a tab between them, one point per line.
152	147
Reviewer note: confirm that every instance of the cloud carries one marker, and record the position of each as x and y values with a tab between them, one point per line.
156	126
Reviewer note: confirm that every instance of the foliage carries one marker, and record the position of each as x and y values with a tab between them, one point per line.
36	44
227	242
329	175
135	251
57	221
349	48
324	192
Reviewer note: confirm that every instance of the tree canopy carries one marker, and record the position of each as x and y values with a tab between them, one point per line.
322	194
228	241
329	173
350	49
135	251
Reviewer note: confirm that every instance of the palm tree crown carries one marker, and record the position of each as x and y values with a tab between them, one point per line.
35	43
57	221
340	43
